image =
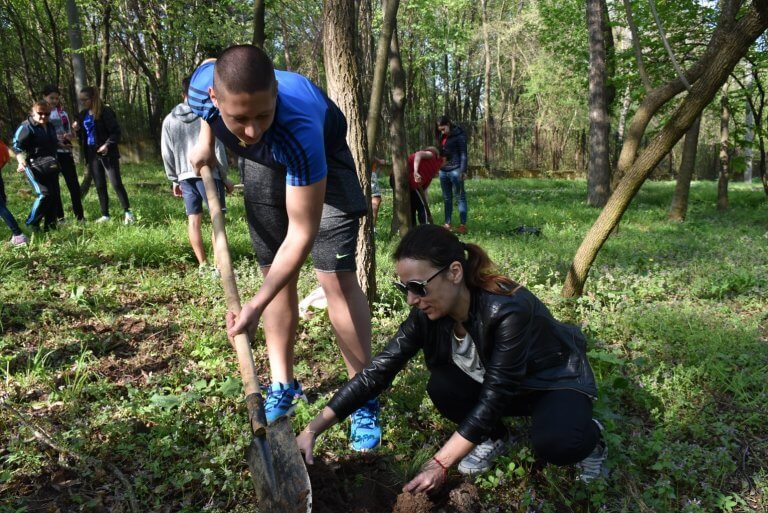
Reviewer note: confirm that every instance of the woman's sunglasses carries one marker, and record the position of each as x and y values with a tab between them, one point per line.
417	287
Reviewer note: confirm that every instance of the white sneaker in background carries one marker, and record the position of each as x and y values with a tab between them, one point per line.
19	240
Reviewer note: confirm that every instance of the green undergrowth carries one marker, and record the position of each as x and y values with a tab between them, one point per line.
113	343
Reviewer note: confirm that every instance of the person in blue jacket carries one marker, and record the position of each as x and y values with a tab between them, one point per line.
452	141
492	350
35	143
301	195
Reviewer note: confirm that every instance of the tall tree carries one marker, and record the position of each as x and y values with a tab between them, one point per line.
599	169
258	23
679	208
76	46
488	117
401	216
749	126
725	156
343	84
730	42
380	71
640	62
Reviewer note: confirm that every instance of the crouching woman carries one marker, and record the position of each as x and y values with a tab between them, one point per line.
492	350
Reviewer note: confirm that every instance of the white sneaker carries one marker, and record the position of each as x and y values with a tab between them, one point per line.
593	466
483	455
19	240
102	219
129	218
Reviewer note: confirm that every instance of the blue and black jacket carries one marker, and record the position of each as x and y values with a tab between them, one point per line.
454	149
35	140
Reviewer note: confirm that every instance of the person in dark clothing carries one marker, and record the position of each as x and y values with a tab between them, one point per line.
61	123
99	134
492	350
17	236
35	144
452	141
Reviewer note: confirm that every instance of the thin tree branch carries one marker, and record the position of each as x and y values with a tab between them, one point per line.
671	54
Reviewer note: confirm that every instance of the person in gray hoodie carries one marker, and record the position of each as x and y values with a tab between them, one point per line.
180	133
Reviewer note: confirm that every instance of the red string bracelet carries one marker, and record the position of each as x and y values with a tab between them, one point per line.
445	469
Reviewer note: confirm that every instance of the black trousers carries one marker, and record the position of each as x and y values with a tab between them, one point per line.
562	431
69	172
418	209
46	188
102	168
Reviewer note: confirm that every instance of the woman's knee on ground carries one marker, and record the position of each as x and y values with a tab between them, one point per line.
562	445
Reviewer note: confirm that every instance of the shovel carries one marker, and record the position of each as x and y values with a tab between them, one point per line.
277	468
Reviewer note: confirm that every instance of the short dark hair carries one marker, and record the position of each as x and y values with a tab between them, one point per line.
444	121
50	88
185	85
244	69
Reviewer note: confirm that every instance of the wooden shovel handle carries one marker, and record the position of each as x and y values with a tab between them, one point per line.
224	264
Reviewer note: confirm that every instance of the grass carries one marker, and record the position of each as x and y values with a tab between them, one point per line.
113	343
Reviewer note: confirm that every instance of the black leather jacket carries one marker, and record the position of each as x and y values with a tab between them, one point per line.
521	346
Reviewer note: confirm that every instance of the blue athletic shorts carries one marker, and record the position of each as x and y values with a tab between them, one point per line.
193	192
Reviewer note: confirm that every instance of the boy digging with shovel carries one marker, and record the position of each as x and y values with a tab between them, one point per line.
301	194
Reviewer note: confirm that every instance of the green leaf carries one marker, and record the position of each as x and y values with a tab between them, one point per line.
230	387
165	401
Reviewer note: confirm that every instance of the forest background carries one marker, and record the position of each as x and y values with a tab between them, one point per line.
603	92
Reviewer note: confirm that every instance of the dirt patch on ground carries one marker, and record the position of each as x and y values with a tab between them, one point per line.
133	348
366	484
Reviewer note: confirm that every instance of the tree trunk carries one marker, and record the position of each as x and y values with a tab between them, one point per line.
763	173
636	46
679	207
366	60
286	35
488	118
599	171
401	209
57	52
725	165
380	72
76	45
258	23
104	56
343	81
620	128
749	125
732	45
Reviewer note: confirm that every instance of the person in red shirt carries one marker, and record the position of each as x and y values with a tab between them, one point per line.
423	166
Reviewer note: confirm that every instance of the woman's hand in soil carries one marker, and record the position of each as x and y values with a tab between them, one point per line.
431	478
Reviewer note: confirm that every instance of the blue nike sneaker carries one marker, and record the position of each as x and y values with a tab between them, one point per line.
282	399
366	432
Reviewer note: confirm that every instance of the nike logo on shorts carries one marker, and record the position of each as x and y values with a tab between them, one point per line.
339	257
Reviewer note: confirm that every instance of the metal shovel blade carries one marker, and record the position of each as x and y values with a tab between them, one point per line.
278	472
